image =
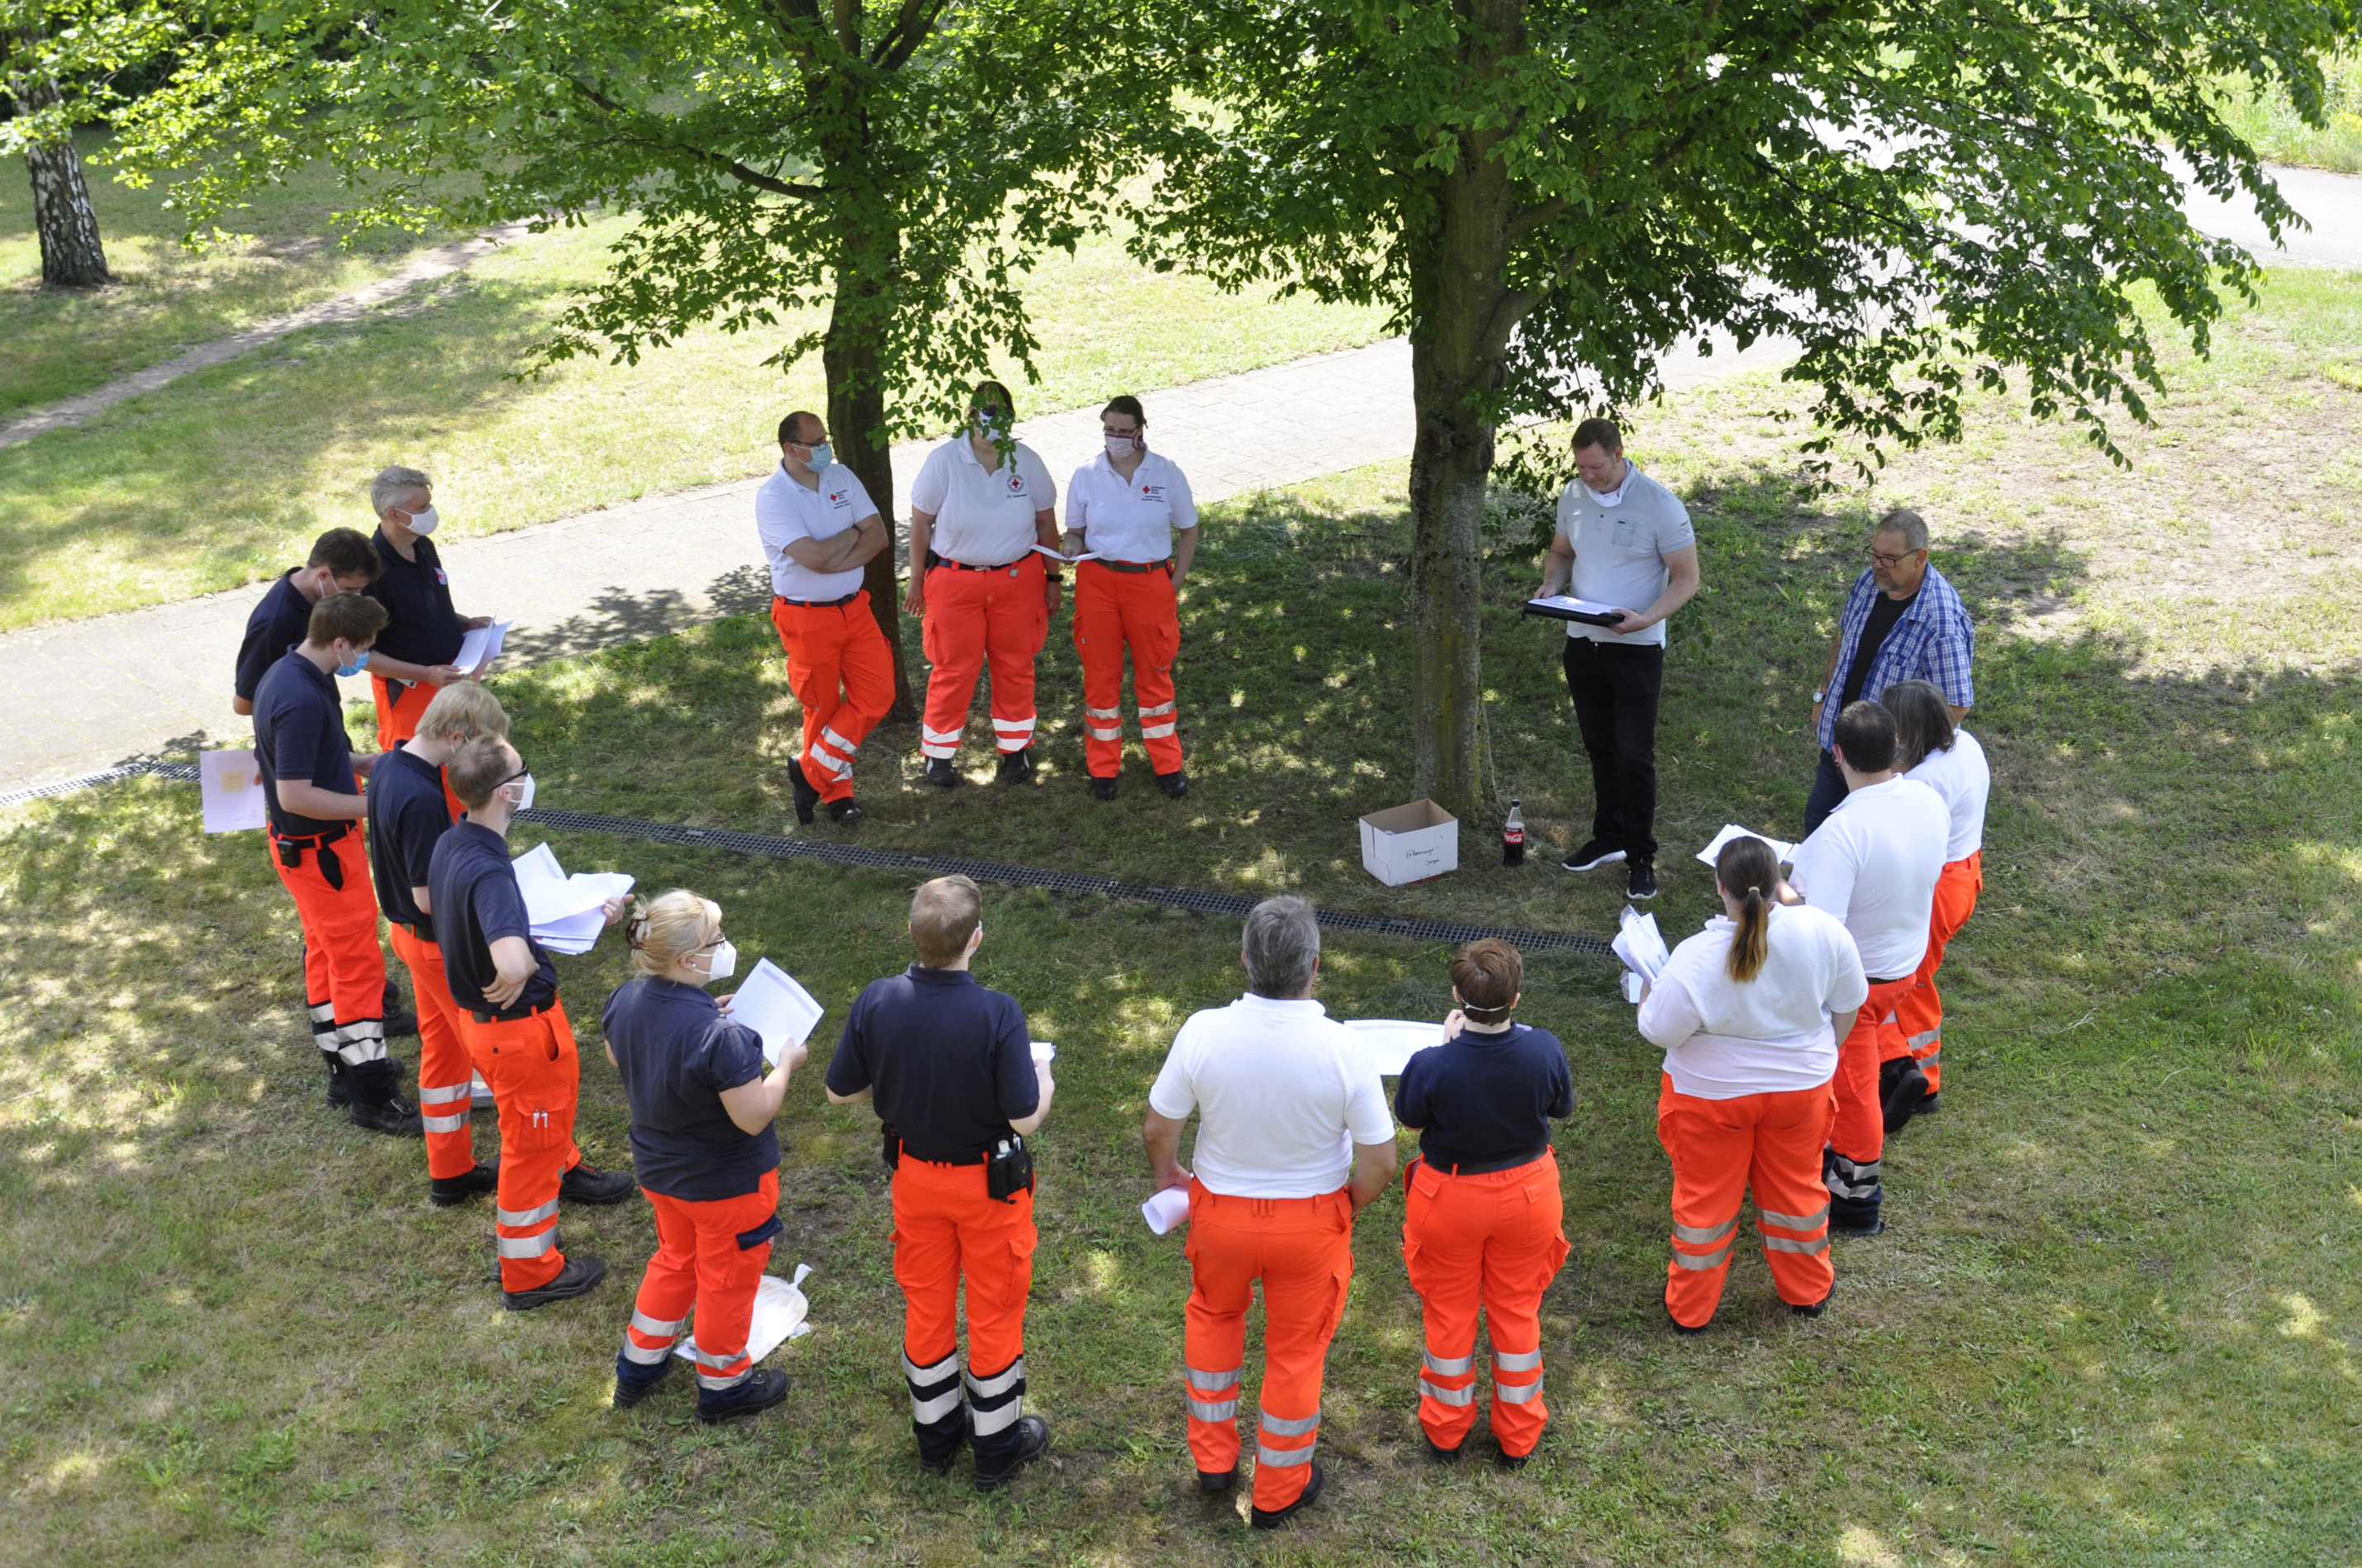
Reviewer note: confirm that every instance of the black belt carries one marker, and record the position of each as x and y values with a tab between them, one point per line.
979	1157
332	867
1135	568
1876	981
313	841
1484	1167
934	560
819	603
516	1018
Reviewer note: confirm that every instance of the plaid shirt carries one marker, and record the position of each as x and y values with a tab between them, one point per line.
1933	641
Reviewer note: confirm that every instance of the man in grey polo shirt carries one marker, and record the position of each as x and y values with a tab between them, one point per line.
1626	541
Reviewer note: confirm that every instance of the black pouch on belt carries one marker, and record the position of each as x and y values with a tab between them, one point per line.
1009	1170
290	855
332	870
892	1150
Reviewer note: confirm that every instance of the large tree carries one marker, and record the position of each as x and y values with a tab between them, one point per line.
899	162
1929	196
59	63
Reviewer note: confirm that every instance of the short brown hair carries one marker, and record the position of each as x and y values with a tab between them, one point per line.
1599	433
347	552
944	914
1488	975
478	769
793	423
355	617
462	711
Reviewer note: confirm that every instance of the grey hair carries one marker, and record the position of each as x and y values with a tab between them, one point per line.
1907	525
387	488
1280	946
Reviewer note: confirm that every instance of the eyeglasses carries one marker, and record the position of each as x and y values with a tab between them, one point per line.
1883	558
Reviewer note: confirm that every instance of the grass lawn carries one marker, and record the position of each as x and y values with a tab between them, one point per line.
2114	1320
2270	121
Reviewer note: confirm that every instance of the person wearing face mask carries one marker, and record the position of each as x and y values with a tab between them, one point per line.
706	1153
1126	506
516	1030
819	527
342	561
981	504
311	789
422	631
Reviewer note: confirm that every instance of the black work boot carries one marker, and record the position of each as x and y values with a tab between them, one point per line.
1016	767
1102	789
845	813
762	1389
1901	1087
1175	784
1275	1517
586	1182
940	773
580	1276
392	1115
1027	1440
635	1383
1855	1195
806	796
443	1192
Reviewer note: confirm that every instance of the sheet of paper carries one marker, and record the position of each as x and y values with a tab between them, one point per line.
1781	847
550	895
1565	606
1167	1210
780	1312
480	646
1044	1052
774	1006
230	791
1391	1041
574	933
1640	945
1062	555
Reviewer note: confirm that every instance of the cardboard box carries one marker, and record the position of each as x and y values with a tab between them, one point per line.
1410	843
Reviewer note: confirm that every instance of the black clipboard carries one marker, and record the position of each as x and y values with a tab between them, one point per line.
1564	609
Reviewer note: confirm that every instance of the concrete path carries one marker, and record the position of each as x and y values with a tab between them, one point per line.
86	695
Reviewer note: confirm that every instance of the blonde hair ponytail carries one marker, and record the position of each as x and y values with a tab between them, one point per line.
670	927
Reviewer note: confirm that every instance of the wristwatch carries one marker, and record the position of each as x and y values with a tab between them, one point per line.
1822	695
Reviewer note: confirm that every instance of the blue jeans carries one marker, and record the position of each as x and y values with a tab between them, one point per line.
1828	793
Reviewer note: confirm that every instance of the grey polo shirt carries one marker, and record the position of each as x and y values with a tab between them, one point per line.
1619	550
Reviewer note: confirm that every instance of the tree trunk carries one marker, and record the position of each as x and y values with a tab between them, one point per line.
72	256
857	428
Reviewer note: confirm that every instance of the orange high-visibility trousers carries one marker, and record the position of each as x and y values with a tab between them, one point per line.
973	617
446	1072
1494	1242
1920	1014
1858	1132
843	673
400	706
948	1229
1302	1250
344	968
1720	1148
535	1076
1115	611
710	1254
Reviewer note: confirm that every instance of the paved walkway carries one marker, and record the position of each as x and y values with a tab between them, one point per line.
87	695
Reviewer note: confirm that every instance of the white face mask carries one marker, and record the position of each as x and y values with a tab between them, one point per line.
1122	446
724	961
522	800
423	522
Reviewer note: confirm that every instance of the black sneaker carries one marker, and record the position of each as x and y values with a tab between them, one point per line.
580	1276
1902	1097
1642	882
1016	767
806	796
761	1391
1033	1442
586	1182
630	1394
393	1116
845	813
940	773
1275	1517
1590	857
443	1192
401	1025
1102	789
1175	784
1217	1483
1438	1455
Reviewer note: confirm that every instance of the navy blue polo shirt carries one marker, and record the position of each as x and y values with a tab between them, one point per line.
1483	1102
282	619
477	902
952	1061
407	818
678	1053
299	733
421	627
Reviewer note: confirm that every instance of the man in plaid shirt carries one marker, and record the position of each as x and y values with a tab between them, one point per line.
1902	622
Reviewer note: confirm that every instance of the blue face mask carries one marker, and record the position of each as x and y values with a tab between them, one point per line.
360	662
821	457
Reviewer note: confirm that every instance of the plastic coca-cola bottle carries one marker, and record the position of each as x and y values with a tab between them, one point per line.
1513	837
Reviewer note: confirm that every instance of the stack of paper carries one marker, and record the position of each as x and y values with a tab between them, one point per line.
1167	1210
482	646
229	791
564	912
1062	555
780	1313
1785	852
1641	945
772	1005
1390	1043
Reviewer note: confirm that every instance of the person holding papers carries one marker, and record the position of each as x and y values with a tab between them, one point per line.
422	633
516	1030
706	1153
981	504
407	818
1292	1141
1872	863
1481	1214
819	529
1743	1012
1126	506
1933	750
951	1068
1625	541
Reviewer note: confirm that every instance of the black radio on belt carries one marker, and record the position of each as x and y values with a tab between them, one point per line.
892	1150
1009	1169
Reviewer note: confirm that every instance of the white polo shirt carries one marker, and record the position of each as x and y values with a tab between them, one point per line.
785	510
1725	1038
1874	865
982	519
1129	520
1963	782
1281	1092
1619	550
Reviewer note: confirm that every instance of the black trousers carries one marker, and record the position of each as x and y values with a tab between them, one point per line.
1615	687
1828	793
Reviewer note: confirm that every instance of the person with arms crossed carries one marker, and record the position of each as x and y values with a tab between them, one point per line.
1126	506
1872	863
1292	1141
975	518
1932	748
819	529
515	1029
1902	621
1482	1212
311	791
1623	540
950	1066
1743	1012
706	1153
408	815
422	631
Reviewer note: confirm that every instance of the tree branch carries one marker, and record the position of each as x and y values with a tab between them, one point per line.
737	170
909	30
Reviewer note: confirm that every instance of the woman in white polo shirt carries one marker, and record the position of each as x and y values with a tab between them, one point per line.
975	518
1125	506
1937	753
